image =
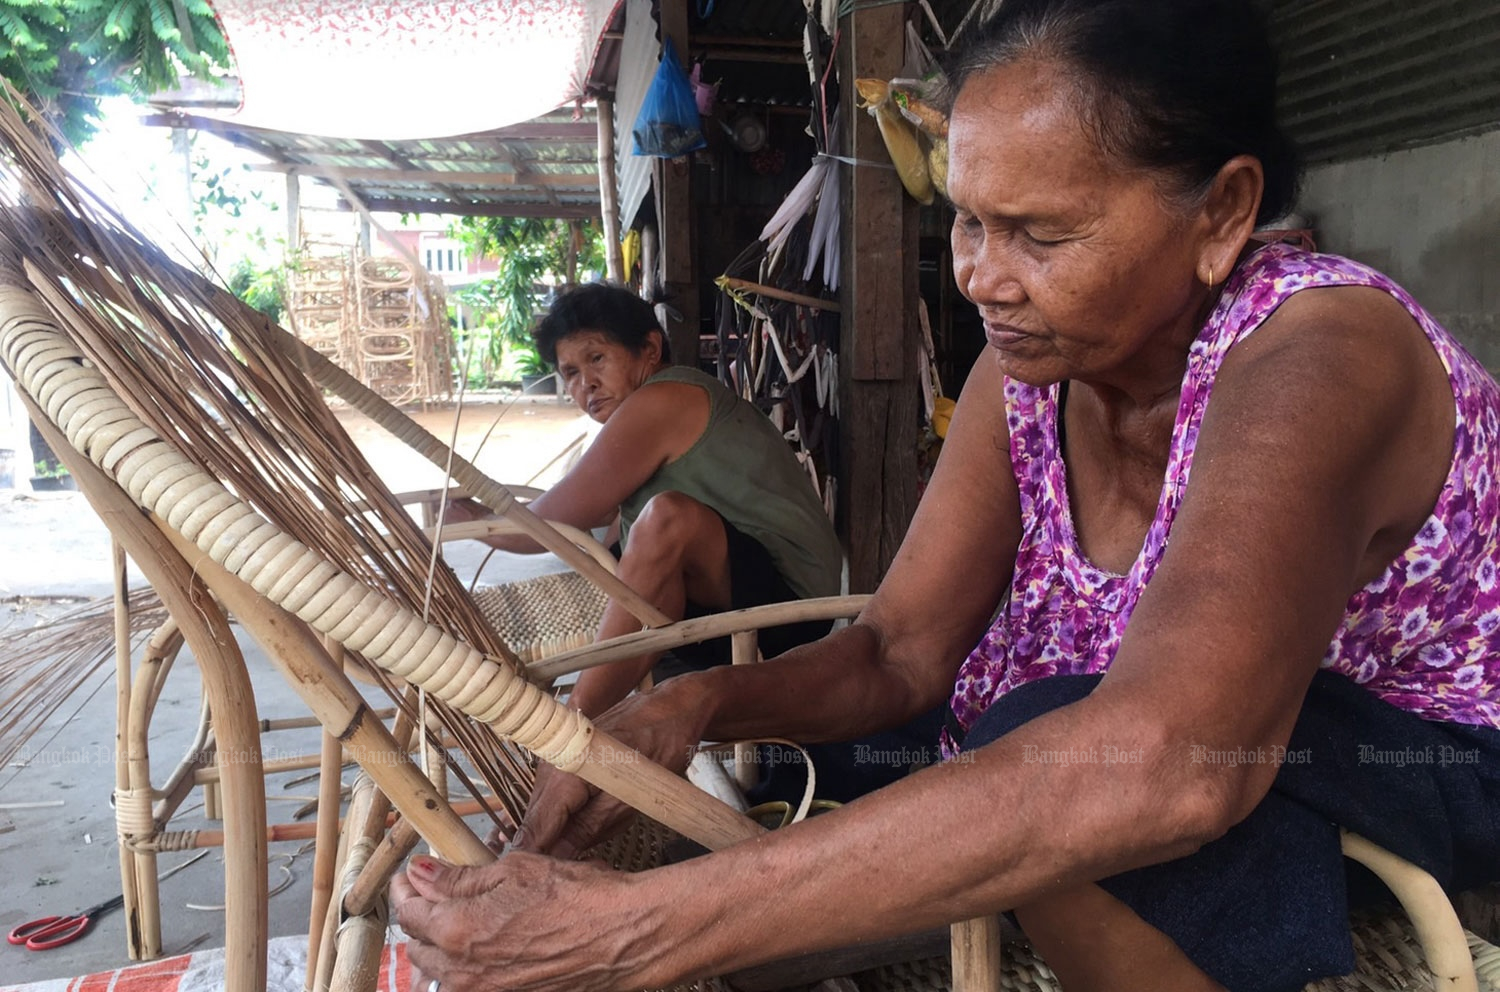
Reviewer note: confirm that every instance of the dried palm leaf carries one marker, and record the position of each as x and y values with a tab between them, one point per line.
208	375
45	665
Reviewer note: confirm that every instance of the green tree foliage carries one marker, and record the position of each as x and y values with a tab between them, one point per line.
263	287
529	250
65	55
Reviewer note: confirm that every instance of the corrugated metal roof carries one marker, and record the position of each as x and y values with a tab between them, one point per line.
546	167
1360	77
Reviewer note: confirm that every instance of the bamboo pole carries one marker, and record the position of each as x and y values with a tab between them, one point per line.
138	944
744	651
609	201
691	631
383	863
746	286
297	763
279	833
225	682
976	955
325	851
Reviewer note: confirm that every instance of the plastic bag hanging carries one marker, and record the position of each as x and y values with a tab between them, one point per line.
668	124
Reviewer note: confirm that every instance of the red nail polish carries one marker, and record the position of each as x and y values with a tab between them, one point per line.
423	866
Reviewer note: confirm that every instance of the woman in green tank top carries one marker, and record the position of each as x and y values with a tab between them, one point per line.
715	511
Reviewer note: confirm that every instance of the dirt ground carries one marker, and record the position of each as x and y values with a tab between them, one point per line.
58	851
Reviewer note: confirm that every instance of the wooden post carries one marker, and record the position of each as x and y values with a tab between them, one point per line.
650	262
878	339
674	198
293	212
609	202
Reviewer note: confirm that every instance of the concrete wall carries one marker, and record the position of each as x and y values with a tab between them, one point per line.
1429	218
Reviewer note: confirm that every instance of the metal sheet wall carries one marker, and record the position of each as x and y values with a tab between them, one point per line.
639	54
1359	77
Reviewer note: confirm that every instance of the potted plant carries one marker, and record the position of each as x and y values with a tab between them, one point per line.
536	374
50	476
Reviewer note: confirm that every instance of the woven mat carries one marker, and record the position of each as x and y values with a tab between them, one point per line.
545	615
1387	959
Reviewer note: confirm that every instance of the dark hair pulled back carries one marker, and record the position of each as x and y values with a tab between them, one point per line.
1179	86
613	310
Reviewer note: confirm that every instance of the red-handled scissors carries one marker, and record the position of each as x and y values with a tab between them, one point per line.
55	931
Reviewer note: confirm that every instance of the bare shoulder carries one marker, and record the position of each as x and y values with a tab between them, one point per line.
1345	384
674	414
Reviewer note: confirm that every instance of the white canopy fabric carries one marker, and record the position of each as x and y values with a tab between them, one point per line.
405	69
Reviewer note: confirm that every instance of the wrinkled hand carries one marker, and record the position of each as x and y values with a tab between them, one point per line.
567	815
527	922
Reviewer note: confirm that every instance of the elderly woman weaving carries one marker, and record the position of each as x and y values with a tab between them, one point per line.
1236	506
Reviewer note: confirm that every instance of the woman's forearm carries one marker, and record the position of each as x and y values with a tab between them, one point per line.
990	831
838	688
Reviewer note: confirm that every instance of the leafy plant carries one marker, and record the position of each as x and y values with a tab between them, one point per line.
529	361
529	251
48	468
263	288
66	55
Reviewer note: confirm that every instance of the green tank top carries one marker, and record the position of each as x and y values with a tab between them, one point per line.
741	466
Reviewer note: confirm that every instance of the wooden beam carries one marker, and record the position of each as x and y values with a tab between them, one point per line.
679	236
878	337
437	176
564	211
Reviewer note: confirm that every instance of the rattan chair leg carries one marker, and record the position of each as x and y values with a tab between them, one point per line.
387	857
325	849
142	942
1427	905
744	650
228	687
976	955
180	785
322	975
356	961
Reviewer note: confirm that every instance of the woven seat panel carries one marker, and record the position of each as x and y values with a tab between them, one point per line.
1387	959
1479	910
545	615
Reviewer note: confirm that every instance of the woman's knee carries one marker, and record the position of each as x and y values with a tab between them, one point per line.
672	519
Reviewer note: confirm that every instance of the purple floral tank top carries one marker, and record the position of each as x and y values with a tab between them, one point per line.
1424	636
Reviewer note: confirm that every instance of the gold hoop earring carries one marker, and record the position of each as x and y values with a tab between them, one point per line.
1211	280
